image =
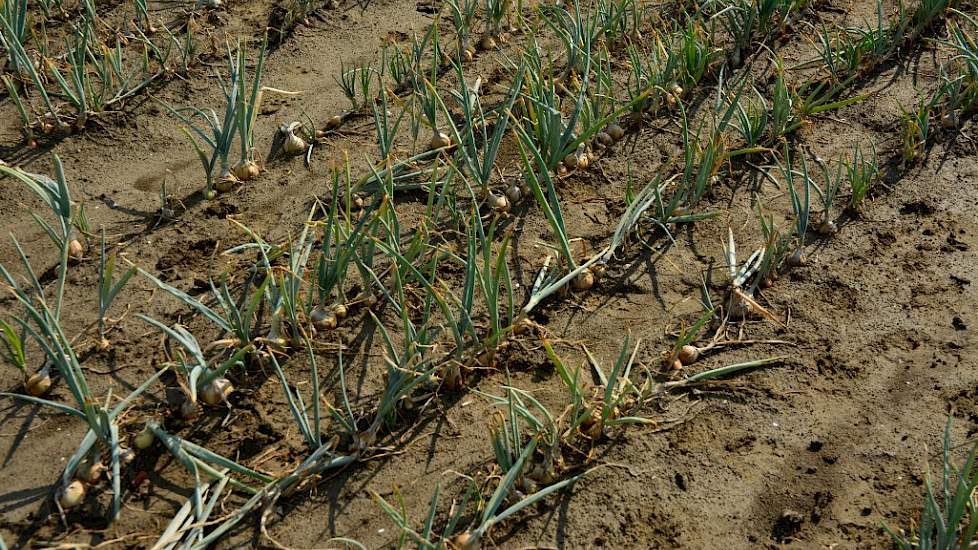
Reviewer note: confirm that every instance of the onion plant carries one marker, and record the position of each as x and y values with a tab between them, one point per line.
241	105
965	60
492	509
917	125
831	183
862	172
41	321
577	30
203	377
107	289
948	518
800	205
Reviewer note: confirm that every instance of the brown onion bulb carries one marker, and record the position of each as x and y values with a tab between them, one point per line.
323	319
76	252
583	280
689	354
72	495
246	170
439	140
39	383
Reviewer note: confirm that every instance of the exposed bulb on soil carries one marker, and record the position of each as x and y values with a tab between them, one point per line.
583	280
187	409
688	354
514	194
91	470
294	145
39	383
72	495
453	378
364	440
797	259
439	140
144	439
497	203
225	183
246	170
217	391
334	122
827	228
464	541
604	138
616	132
583	160
340	311
949	121
578	159
487	43
323	319
75	250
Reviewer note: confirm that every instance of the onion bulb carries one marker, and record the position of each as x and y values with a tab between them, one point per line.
827	228
797	259
688	354
949	121
72	495
592	428
323	319
217	391
604	138
453	378
144	439
463	541
514	193
334	122
126	455
439	140
364	440
676	89
497	203
187	409
340	311
75	250
677	365
246	170
225	183
570	161
583	280
91	470
616	132
583	160
210	194
487	43
294	145
39	383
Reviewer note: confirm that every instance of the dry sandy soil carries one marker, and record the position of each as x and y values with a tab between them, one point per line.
818	450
